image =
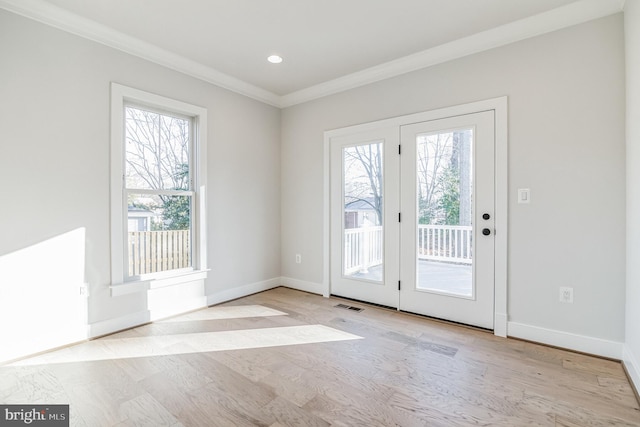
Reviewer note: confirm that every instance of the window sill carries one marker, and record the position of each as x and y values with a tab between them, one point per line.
151	284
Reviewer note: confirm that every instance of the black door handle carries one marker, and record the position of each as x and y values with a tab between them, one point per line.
486	231
486	216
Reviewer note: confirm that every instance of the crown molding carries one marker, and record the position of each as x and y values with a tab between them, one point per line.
572	14
555	19
57	17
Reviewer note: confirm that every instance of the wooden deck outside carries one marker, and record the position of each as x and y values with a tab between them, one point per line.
442	276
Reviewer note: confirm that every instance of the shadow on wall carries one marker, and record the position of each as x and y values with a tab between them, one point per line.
42	305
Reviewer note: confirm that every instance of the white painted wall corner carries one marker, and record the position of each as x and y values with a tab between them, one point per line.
302	285
242	291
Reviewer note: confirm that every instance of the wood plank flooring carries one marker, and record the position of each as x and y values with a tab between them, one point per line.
339	367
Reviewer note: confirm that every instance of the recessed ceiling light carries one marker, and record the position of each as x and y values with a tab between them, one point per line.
274	59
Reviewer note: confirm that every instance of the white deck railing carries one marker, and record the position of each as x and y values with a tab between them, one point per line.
363	247
154	251
451	243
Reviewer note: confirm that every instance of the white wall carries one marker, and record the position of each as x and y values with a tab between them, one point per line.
54	175
632	45
566	143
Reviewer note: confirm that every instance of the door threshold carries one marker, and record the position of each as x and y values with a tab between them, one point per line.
449	322
388	307
435	319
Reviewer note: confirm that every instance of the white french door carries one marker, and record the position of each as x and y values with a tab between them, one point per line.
448	207
364	216
412	215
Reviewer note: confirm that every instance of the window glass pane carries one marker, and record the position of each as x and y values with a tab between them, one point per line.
445	189
363	207
157	150
158	233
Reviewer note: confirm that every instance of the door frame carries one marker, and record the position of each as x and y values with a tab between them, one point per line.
500	107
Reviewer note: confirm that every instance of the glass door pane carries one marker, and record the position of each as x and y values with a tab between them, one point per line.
363	235
445	212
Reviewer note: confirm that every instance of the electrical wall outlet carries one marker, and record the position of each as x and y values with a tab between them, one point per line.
566	295
298	259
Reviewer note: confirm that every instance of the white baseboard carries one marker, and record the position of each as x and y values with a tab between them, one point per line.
132	320
632	365
581	343
110	326
302	285
242	291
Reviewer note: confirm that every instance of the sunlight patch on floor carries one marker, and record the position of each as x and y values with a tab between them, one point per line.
163	345
227	312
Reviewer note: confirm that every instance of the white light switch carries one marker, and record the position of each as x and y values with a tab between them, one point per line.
524	195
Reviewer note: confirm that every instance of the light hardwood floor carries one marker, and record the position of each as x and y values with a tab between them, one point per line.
288	358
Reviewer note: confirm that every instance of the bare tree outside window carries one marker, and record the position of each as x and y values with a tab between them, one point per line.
444	178
363	179
157	158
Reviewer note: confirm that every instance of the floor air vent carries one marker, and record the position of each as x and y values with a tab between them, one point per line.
349	307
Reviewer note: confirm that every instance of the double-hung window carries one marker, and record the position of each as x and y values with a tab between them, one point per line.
157	212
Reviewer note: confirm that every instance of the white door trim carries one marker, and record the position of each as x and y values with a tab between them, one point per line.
500	106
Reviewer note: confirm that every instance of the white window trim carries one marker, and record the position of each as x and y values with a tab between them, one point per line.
119	96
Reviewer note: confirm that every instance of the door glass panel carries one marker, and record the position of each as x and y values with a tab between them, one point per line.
445	212
363	255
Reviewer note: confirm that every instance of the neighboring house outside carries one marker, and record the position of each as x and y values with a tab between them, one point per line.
139	219
359	213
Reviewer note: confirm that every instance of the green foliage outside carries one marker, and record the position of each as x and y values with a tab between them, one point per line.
449	203
441	203
444	208
175	213
176	209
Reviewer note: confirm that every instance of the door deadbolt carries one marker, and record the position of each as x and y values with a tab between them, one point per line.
486	216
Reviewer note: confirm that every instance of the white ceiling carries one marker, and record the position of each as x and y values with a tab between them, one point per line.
321	41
